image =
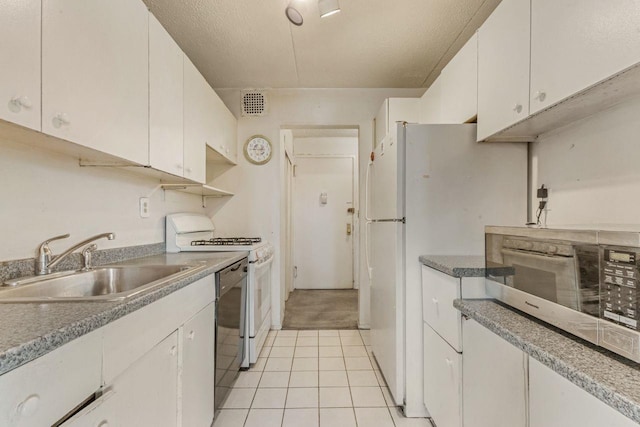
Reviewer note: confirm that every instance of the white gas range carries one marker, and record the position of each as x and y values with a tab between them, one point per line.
188	232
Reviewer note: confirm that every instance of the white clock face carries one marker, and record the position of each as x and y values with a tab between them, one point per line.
258	150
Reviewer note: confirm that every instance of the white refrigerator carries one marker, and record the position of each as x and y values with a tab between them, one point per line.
431	192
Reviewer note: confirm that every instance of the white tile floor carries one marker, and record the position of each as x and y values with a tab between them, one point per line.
313	379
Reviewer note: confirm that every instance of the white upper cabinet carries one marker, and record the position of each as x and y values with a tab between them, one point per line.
197	120
224	127
577	43
165	101
20	70
503	67
459	85
429	106
95	75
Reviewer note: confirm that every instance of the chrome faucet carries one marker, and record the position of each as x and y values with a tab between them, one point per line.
45	262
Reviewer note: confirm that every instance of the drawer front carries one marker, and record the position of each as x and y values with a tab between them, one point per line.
442	380
130	337
438	292
44	390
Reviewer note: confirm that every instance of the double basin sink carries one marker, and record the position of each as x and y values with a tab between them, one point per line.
111	283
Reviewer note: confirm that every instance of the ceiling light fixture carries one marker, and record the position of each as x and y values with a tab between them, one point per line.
293	15
328	7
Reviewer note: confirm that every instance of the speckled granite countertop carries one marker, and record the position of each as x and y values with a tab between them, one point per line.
612	379
28	330
461	265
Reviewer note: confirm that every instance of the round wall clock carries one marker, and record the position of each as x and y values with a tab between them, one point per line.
258	150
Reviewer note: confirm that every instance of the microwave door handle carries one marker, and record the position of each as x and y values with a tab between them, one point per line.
533	255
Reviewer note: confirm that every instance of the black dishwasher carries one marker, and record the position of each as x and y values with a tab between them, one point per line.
231	303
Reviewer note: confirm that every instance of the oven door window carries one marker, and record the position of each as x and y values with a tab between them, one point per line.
546	276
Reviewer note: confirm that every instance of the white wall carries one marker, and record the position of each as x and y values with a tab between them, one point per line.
345	146
592	169
256	208
44	194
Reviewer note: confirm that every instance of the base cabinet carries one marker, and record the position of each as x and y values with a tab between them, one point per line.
494	388
198	370
555	401
143	395
442	380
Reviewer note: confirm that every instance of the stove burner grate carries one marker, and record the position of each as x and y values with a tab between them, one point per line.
227	241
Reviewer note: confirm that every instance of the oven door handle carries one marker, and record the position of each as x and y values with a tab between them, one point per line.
558	259
264	263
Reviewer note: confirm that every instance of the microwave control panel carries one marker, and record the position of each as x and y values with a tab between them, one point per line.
619	282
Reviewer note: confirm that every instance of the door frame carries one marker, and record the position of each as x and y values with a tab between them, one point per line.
355	225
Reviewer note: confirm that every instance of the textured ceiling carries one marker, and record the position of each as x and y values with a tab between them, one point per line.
370	44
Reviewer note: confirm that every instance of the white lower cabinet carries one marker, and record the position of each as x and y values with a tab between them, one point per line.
442	380
494	384
153	367
198	368
143	395
33	395
555	401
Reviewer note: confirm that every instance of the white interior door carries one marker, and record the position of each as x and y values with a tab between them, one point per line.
323	225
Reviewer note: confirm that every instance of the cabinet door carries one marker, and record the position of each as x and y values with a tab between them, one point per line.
103	412
224	132
577	43
20	71
438	292
198	338
95	75
460	85
197	109
165	100
430	104
32	394
555	401
494	380
146	394
442	380
503	67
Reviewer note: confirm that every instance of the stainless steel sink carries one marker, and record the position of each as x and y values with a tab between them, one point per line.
99	284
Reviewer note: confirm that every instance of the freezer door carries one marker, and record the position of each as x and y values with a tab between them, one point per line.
387	300
385	183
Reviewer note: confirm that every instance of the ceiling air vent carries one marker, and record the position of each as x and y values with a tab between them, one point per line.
254	102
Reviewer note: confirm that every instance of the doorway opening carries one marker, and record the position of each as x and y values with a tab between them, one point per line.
320	228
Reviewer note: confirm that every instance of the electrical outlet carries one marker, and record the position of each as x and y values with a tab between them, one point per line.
144	207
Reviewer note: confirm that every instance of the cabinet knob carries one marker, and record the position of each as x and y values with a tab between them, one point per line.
103	423
448	362
540	96
178	166
18	103
187	170
29	406
434	300
191	335
59	120
517	108
173	350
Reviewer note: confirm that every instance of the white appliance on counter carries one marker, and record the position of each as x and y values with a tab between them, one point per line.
189	232
432	192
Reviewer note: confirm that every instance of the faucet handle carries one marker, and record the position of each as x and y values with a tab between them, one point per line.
43	254
44	246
